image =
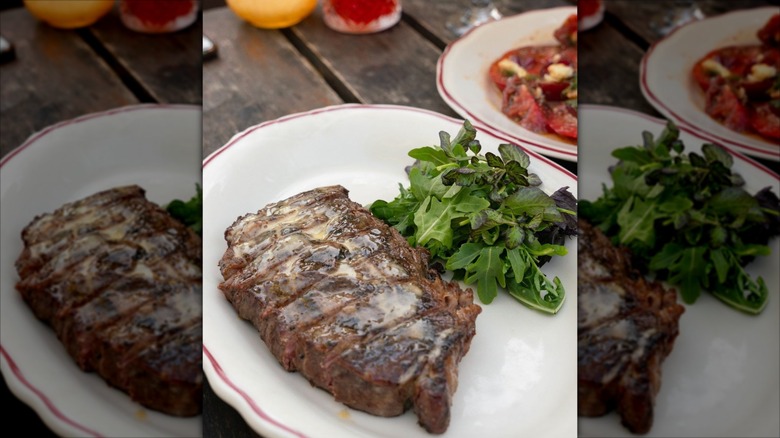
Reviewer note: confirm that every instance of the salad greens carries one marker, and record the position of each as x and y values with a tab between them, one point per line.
190	212
484	217
687	218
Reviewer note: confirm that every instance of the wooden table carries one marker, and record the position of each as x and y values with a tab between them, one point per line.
610	53
261	75
61	74
58	75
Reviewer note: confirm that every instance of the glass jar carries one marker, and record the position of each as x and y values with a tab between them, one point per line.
272	14
361	16
591	13
70	14
158	16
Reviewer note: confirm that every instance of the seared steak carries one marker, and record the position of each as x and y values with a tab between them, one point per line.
626	327
341	297
119	281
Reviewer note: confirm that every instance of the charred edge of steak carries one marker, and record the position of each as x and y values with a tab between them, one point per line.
626	328
341	297
119	281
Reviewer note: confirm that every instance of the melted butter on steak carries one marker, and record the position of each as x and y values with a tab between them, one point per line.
342	298
119	281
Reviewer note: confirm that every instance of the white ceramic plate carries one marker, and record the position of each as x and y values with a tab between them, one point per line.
721	378
519	376
666	81
156	147
463	82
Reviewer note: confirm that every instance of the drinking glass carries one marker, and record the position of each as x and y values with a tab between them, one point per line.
478	12
678	12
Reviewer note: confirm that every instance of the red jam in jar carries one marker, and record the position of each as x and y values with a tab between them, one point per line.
361	16
158	16
590	13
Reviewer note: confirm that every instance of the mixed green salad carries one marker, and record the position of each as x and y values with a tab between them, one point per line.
688	219
189	212
484	217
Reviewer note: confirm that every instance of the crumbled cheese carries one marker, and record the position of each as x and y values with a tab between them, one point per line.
741	94
558	72
715	67
759	72
511	67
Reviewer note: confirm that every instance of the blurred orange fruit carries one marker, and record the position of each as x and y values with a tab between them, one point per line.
69	14
272	14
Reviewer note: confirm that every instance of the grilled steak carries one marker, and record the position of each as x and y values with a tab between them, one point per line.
341	297
626	327
119	281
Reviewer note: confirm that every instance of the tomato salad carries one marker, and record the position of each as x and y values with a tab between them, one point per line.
539	84
742	85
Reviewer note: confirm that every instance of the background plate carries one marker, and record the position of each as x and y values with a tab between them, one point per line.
666	81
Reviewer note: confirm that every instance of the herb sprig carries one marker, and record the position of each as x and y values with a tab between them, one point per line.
484	217
190	212
688	219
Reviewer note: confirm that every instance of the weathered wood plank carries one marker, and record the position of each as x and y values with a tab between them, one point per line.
648	18
56	76
258	75
609	70
395	66
167	65
433	18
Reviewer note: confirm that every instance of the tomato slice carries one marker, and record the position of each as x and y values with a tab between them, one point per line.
554	90
528	100
521	105
567	33
533	59
569	57
738	60
765	121
770	33
561	118
724	105
738	98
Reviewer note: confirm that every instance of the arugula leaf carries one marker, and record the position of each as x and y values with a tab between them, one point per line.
488	271
484	217
433	221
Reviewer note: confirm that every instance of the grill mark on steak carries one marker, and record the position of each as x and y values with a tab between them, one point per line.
119	281
341	297
626	327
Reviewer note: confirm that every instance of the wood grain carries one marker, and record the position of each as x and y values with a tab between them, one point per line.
167	65
609	70
258	75
645	18
56	76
